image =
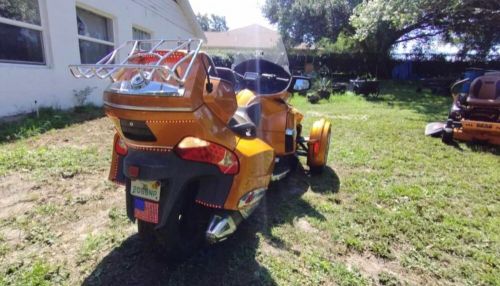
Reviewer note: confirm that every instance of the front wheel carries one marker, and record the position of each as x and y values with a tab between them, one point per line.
448	133
182	235
447	137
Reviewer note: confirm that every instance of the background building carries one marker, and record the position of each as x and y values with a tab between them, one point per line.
40	38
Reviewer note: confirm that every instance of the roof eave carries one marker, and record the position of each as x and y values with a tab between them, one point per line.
188	12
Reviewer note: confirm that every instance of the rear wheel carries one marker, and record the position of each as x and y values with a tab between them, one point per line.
183	233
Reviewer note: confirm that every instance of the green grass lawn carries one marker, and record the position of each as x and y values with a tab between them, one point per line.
394	208
405	197
46	119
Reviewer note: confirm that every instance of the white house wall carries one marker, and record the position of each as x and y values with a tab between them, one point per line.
52	85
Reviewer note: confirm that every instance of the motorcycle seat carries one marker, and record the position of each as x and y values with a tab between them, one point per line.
485	91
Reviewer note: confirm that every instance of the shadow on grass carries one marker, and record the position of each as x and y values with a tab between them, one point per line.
232	262
48	119
481	147
404	96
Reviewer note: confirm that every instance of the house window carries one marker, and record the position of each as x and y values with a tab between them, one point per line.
95	36
21	32
138	34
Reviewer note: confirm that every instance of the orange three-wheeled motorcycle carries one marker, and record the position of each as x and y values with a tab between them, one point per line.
197	145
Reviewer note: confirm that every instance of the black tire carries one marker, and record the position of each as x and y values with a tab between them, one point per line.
293	163
316	170
183	234
447	137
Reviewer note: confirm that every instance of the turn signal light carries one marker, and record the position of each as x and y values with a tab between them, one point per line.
120	147
199	150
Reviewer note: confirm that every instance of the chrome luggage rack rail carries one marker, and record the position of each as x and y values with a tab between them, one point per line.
105	68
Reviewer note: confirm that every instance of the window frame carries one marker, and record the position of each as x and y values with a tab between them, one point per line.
109	17
142	29
42	28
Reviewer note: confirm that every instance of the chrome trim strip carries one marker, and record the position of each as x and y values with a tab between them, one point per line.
247	209
144	108
220	228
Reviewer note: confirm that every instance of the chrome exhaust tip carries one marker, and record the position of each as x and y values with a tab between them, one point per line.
220	227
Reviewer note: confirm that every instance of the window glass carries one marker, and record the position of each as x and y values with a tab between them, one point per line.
92	52
21	10
20	44
138	34
94	26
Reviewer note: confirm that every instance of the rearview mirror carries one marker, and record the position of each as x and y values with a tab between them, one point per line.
301	84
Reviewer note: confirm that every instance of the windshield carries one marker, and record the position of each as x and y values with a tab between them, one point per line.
249	43
273	52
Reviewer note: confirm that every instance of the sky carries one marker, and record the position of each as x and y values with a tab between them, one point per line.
238	13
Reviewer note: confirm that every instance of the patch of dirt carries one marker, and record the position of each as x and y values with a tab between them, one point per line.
372	267
304	225
18	195
270	249
49	218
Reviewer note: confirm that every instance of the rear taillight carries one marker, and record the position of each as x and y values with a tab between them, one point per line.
120	147
195	149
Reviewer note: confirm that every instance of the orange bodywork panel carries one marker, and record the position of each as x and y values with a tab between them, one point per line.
276	117
113	170
478	131
171	118
256	164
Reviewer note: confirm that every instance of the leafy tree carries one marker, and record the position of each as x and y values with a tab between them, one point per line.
212	23
309	20
471	24
204	21
218	23
376	25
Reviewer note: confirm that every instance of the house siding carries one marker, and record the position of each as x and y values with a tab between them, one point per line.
52	84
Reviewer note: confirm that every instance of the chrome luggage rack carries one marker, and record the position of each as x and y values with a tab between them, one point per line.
105	68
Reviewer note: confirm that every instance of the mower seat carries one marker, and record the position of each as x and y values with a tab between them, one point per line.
485	91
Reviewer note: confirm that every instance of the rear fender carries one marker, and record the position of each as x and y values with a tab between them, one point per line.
256	166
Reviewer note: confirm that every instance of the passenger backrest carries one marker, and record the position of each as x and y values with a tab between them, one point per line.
226	74
486	87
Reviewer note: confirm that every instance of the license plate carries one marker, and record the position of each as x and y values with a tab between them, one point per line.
146	189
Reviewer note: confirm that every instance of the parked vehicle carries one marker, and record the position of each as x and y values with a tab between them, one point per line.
364	86
197	145
475	113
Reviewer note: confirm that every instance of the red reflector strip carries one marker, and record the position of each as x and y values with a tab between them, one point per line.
208	205
316	148
146	211
133	171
